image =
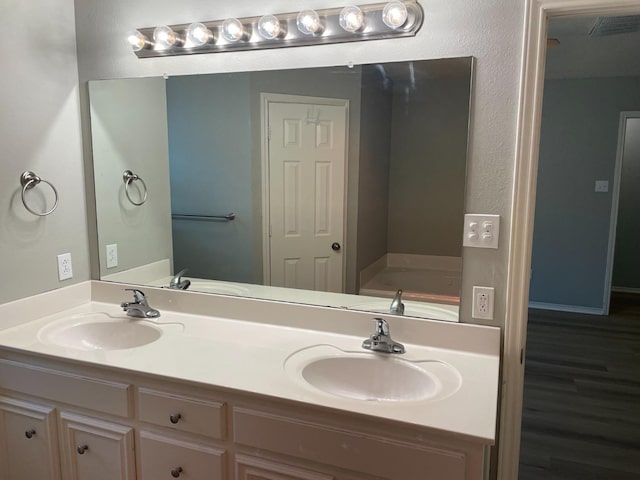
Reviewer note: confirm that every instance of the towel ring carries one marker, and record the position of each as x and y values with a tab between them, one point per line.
28	180
129	177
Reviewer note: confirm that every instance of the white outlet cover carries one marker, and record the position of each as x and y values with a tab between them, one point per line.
65	268
112	255
602	186
481	231
483	302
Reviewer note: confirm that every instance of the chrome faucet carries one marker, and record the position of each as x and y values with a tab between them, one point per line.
381	341
178	283
397	307
139	308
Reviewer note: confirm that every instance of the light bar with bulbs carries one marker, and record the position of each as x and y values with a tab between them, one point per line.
308	27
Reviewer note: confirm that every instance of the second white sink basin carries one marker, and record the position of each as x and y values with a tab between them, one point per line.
100	331
371	376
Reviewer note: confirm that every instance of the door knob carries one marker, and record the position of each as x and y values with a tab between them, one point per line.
335	246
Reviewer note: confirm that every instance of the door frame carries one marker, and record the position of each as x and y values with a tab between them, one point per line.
615	203
537	14
265	100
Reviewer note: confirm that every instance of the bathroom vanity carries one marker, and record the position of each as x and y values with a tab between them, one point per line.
252	393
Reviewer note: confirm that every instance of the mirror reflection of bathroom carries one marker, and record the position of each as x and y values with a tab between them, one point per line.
340	180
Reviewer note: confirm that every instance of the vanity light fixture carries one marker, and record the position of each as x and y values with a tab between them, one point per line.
269	27
351	19
309	23
233	30
137	41
198	34
394	14
164	37
353	23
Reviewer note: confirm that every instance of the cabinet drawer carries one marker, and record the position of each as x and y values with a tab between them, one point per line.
251	468
81	391
162	457
351	450
186	414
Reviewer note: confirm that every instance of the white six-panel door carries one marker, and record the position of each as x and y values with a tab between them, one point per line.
306	161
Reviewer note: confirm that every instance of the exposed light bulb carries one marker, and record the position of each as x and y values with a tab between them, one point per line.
269	27
309	22
351	19
198	34
394	14
137	40
233	30
164	37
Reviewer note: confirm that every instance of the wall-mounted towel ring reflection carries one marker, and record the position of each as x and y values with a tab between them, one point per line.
129	177
28	180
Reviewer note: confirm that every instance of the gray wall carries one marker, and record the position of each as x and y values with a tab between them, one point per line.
626	265
210	150
489	30
129	127
373	188
578	145
428	158
40	131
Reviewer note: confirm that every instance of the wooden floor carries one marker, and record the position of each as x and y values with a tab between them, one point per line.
581	417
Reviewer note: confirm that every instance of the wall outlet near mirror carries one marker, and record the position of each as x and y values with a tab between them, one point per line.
112	255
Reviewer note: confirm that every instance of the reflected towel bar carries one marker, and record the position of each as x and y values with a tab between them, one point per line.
228	217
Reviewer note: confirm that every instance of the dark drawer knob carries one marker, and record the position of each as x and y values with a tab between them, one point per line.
175	473
30	433
175	418
82	448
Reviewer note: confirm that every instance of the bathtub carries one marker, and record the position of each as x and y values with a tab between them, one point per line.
424	278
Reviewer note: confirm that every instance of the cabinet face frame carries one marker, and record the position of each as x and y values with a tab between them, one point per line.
42	420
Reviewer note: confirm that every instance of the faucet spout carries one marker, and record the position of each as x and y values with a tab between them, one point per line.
381	341
397	307
140	307
178	283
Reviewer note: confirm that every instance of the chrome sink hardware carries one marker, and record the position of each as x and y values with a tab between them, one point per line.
139	308
177	283
397	307
381	341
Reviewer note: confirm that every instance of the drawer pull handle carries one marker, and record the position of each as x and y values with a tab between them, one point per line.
30	433
175	418
82	448
175	473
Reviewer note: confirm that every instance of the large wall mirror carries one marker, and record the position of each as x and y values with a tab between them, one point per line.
333	186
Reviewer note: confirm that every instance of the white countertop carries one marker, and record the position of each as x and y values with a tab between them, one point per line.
250	356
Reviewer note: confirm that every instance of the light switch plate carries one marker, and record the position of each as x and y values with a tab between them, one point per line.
481	231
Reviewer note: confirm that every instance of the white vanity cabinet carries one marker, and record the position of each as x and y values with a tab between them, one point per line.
97	423
28	442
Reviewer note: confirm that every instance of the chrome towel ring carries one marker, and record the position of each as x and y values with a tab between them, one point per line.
28	180
129	177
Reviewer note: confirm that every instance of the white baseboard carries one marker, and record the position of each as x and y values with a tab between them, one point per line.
625	290
566	308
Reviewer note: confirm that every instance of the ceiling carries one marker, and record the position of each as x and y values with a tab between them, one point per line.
580	55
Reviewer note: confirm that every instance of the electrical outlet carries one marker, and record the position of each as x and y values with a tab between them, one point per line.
481	231
65	269
112	255
483	303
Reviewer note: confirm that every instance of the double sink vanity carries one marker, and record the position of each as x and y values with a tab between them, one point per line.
227	388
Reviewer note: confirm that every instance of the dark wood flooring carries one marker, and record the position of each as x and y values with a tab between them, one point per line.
581	416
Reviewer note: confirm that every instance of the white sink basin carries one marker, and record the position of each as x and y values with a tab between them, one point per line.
100	331
369	376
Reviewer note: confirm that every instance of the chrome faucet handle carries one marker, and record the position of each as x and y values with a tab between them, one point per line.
382	327
138	296
397	307
177	278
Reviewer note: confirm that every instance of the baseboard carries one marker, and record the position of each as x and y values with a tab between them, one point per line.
566	308
625	290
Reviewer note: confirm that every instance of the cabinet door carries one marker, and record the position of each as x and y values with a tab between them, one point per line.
164	457
251	468
93	449
28	443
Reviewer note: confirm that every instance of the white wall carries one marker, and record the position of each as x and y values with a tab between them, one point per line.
490	30
136	142
40	131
